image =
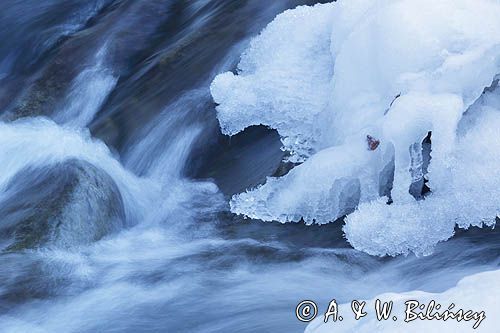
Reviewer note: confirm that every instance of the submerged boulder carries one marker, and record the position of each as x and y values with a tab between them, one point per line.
65	204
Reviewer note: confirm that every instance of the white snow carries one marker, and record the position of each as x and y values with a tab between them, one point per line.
472	293
327	76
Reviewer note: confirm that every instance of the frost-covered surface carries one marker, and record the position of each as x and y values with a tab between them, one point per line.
286	72
469	195
327	76
472	293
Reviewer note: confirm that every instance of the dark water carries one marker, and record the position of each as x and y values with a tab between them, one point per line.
109	154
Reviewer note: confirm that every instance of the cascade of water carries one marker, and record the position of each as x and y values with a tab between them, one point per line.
180	262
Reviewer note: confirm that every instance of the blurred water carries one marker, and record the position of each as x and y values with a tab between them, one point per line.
88	92
185	264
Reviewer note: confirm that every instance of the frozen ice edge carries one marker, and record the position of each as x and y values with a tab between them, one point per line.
324	78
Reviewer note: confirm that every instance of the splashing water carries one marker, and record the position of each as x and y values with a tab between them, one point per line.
183	263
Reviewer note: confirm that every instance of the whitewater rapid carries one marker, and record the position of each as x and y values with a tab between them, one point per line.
182	261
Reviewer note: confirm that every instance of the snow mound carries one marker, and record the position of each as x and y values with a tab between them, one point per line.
471	293
399	71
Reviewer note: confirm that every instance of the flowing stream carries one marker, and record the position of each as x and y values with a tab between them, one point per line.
122	86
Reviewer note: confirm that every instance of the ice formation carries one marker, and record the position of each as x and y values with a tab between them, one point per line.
327	76
287	72
465	295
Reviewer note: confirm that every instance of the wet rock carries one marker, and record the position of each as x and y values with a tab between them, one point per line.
284	168
42	96
122	31
30	39
66	204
